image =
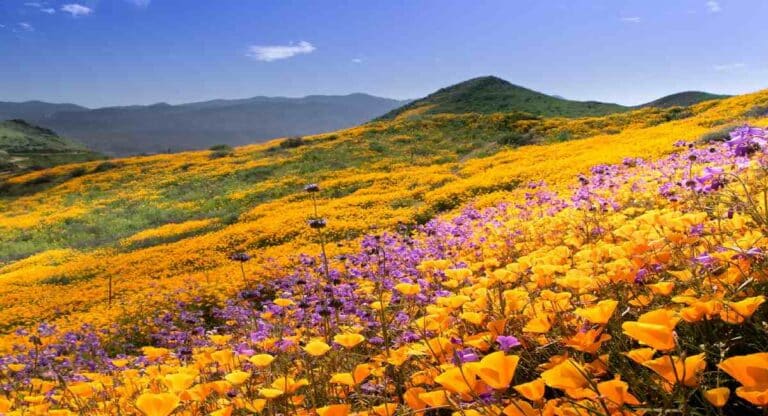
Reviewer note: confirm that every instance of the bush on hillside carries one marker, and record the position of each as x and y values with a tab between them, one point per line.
292	142
221	150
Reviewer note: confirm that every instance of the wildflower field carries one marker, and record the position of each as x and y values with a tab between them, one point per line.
611	266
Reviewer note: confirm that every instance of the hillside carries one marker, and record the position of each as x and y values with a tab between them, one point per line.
490	94
25	146
163	127
493	95
683	99
453	266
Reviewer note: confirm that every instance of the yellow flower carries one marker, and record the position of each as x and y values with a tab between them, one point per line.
179	382
460	380
533	391
154	353
617	391
316	348
655	329
749	370
717	397
598	314
160	404
385	409
261	360
408	289
566	375
283	302
333	410
675	370
348	340
434	398
237	377
16	367
497	369
270	393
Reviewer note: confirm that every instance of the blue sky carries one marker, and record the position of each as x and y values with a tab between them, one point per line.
118	52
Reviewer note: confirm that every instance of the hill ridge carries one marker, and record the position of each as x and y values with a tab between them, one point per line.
491	94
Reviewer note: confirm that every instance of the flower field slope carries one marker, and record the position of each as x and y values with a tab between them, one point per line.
433	270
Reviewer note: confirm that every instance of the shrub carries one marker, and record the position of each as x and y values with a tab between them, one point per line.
719	135
105	166
292	142
221	150
219	147
757	111
77	172
514	139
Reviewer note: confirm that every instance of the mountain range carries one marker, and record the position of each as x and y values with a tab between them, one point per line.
162	127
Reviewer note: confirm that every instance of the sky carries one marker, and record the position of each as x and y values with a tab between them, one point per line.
121	52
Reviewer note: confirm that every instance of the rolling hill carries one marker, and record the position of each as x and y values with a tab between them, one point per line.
490	94
493	95
163	127
683	99
24	146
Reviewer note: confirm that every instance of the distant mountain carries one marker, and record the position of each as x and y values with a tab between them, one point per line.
34	110
683	99
162	127
492	95
23	146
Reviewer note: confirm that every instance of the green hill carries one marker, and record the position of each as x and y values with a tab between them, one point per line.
26	146
492	95
683	99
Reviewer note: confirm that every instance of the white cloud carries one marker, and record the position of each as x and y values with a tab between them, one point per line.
76	10
140	3
271	53
357	60
40	6
631	19
26	27
729	67
713	6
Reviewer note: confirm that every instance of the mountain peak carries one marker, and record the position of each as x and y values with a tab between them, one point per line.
491	94
683	99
